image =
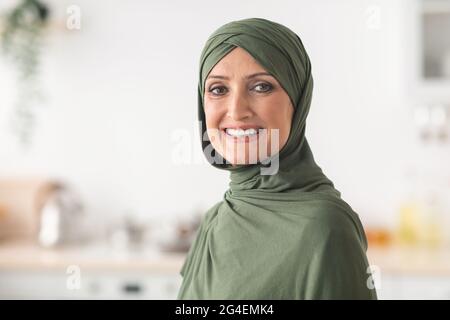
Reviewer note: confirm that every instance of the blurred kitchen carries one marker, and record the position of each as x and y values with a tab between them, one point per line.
98	101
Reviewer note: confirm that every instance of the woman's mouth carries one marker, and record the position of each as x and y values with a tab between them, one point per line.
244	135
241	132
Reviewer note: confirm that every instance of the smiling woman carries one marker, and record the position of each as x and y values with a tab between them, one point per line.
277	234
246	104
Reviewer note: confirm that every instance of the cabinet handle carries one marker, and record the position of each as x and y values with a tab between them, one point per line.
133	288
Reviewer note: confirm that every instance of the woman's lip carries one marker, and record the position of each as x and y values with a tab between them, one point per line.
242	138
243	127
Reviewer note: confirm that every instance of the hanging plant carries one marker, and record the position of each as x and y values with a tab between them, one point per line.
21	43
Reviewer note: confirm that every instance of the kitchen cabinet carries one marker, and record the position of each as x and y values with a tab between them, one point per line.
28	284
98	272
412	272
427	66
28	271
416	287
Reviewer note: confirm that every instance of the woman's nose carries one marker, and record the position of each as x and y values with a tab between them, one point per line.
239	107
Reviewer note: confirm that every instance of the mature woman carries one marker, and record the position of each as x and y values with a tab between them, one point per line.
282	230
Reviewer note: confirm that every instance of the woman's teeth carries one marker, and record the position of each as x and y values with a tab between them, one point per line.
241	132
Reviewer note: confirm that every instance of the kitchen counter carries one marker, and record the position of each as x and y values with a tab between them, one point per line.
26	255
411	272
30	271
91	271
410	260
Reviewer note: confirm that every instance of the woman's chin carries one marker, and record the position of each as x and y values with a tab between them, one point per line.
240	161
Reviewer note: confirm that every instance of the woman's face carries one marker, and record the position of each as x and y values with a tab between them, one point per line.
248	113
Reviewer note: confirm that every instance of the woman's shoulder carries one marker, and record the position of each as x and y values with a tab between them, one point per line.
211	213
332	218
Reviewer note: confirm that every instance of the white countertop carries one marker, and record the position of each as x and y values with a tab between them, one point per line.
398	260
26	255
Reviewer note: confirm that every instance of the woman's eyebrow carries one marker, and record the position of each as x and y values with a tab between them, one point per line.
213	76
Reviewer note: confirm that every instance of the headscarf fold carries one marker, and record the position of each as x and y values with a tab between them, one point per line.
271	235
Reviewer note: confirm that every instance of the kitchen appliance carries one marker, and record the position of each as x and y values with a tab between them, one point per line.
60	216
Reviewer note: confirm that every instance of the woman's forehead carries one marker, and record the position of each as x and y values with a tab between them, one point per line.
237	63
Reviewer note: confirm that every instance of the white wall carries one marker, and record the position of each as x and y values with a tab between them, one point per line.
118	88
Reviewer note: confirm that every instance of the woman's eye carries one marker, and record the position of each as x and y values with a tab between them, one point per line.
262	87
218	91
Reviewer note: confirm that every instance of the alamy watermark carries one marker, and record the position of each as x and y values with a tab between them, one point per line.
374	279
373	17
221	148
73	21
73	281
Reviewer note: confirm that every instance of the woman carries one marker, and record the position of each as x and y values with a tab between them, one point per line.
282	230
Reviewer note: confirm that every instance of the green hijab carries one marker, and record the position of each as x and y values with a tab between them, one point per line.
282	235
